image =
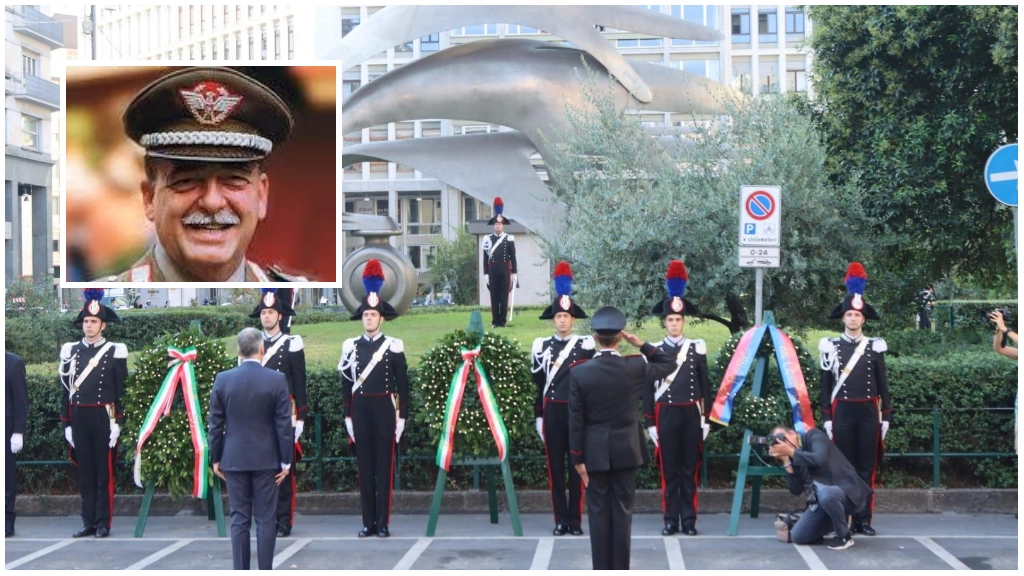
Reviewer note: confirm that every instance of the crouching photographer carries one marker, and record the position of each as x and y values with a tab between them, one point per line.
813	463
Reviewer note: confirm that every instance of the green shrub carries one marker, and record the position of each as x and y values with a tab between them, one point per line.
967	314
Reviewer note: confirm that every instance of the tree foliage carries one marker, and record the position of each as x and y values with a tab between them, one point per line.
455	267
632	207
911	101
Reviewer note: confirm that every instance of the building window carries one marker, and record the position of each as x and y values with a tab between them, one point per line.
794	24
238	12
431	43
768	77
227	14
515	29
697	14
348	23
348	87
404	47
202	19
252	41
191	20
796	76
422	256
277	41
741	77
30	132
477	30
213	49
181	22
741	25
705	68
29	63
468	208
291	40
263	42
238	46
202	51
767	26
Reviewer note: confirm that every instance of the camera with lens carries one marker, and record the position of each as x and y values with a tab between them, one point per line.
767	440
1004	311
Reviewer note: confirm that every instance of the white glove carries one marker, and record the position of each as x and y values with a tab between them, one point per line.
298	429
540	428
828	428
653	433
348	426
515	279
17	441
707	430
67	436
885	428
399	428
115	431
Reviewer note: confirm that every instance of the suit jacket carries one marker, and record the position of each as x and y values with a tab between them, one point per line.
605	431
16	399
819	460
250	419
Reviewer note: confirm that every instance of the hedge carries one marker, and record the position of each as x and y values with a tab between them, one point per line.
967	315
973	377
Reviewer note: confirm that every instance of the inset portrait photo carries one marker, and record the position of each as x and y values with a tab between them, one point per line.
200	174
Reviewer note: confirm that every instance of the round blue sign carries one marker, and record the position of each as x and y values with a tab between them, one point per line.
1001	174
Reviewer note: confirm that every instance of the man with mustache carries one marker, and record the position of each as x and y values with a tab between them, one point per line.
206	132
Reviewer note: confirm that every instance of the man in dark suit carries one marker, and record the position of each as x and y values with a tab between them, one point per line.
606	439
15	417
810	459
251	446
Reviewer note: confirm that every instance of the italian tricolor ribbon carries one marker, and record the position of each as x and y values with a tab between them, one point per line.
470	361
789	368
179	369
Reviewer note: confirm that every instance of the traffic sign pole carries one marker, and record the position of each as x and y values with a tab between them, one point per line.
758	299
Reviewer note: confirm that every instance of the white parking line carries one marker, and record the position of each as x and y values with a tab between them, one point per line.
942	553
809	556
675	554
159	554
413	554
542	557
39	554
290	551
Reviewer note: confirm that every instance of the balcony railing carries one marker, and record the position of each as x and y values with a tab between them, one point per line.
39	91
41	27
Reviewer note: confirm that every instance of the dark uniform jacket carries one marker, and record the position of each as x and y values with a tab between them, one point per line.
389	376
250	419
690	384
865	382
504	257
16	397
545	353
604	418
289	359
104	384
819	460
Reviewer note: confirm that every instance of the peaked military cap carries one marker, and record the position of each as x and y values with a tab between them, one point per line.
608	321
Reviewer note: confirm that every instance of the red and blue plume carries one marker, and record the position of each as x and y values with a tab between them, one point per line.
373	276
93	294
563	279
856	278
499	205
676	279
265	290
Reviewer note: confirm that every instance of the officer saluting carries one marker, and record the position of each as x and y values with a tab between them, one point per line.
93	372
500	269
854	395
375	390
674	413
552	358
284	353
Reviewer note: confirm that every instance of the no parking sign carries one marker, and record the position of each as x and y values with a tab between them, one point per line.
760	215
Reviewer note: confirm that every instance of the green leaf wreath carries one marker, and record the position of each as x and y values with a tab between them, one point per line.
167	456
508	368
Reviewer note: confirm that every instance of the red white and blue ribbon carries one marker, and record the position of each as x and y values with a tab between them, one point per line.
735	374
179	369
793	380
470	362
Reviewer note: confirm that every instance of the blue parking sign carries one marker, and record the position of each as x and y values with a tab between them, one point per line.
1001	174
750	228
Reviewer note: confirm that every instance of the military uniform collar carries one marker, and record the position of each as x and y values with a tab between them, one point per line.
95	344
373	339
172	274
558	338
273	338
608	352
675	342
849	338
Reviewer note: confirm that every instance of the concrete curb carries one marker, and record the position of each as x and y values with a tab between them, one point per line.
712	501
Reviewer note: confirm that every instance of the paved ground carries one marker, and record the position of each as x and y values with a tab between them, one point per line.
464	541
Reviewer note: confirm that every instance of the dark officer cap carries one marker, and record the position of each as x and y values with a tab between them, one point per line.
210	114
608	321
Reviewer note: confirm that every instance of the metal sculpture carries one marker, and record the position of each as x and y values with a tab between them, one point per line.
399	287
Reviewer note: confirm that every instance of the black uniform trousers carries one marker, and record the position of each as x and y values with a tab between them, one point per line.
373	421
286	496
10	478
499	279
90	431
252	494
556	447
680	438
610	514
856	431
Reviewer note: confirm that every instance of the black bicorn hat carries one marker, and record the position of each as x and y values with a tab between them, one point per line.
373	280
279	299
563	295
208	114
94	306
676	280
856	280
608	321
499	213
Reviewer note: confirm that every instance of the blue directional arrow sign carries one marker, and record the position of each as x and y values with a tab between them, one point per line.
1001	174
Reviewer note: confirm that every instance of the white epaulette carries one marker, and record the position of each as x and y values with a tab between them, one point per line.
295	343
702	348
510	238
825	345
120	350
397	346
65	350
346	349
538	346
588	343
879	345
